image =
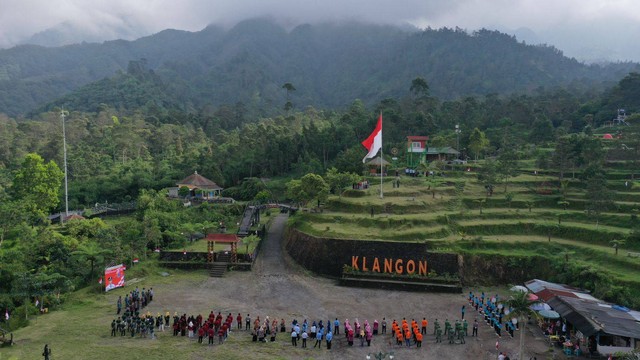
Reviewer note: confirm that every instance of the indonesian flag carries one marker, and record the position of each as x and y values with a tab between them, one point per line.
135	260
374	142
100	280
6	314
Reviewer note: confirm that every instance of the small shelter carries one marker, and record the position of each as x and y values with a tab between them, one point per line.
441	153
231	239
374	165
198	185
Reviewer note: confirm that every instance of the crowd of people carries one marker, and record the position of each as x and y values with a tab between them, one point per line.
132	322
495	315
404	333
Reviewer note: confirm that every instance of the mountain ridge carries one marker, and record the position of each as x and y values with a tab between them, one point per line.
330	65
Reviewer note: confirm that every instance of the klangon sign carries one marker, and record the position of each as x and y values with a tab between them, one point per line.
389	266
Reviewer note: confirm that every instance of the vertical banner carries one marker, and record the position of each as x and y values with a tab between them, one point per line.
114	277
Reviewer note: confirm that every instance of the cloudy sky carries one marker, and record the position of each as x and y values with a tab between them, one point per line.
590	30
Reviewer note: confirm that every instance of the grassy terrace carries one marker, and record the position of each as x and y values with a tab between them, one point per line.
530	225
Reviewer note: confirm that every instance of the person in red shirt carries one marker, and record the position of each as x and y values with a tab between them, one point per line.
200	334
239	320
221	335
211	334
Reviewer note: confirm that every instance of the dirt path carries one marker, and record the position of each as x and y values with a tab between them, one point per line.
279	288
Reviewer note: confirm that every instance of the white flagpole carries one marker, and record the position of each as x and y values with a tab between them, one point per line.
381	167
381	174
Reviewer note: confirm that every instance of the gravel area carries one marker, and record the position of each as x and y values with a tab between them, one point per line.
277	287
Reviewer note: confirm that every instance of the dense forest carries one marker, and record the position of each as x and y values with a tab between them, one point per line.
114	154
329	64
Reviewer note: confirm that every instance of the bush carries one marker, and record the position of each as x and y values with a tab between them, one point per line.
351	193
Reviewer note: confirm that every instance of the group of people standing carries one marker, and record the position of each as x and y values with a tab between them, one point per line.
131	321
135	300
494	312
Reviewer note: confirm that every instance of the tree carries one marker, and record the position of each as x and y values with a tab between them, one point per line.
315	187
507	166
337	181
530	204
598	195
481	203
519	307
309	187
478	142
488	175
27	285
92	253
562	157
617	243
509	198
37	184
288	88
434	182
419	87
250	240
11	214
295	193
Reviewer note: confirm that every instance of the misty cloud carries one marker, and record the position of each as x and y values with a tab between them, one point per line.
587	29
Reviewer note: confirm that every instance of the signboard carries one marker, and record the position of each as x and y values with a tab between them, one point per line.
114	277
389	265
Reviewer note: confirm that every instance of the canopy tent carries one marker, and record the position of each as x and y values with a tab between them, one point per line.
549	314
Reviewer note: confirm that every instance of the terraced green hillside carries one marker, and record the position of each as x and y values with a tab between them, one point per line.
535	228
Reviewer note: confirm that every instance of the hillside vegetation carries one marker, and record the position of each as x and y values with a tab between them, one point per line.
329	64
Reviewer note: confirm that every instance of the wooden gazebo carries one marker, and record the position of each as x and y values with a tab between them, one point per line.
231	239
196	182
374	165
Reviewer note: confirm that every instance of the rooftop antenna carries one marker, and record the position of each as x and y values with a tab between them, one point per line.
64	147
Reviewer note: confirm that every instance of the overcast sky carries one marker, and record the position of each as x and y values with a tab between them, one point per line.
585	29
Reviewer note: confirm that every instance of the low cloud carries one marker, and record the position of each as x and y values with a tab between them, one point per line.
579	28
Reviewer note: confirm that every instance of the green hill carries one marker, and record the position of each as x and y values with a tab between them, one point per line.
329	64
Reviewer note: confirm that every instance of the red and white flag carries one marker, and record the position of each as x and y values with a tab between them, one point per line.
100	280
374	142
135	260
6	314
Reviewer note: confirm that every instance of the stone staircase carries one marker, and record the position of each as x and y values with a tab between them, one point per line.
219	267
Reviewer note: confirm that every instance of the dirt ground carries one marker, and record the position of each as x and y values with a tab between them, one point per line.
277	287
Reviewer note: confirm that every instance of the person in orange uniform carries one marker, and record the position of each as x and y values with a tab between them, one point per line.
424	324
398	337
418	339
407	337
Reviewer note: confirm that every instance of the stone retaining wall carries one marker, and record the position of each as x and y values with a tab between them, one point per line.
328	256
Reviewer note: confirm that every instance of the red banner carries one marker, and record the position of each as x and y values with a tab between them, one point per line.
114	277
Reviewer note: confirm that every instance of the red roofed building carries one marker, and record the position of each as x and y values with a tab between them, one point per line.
231	239
416	150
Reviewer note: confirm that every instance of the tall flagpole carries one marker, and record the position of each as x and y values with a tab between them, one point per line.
381	174
381	168
64	146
